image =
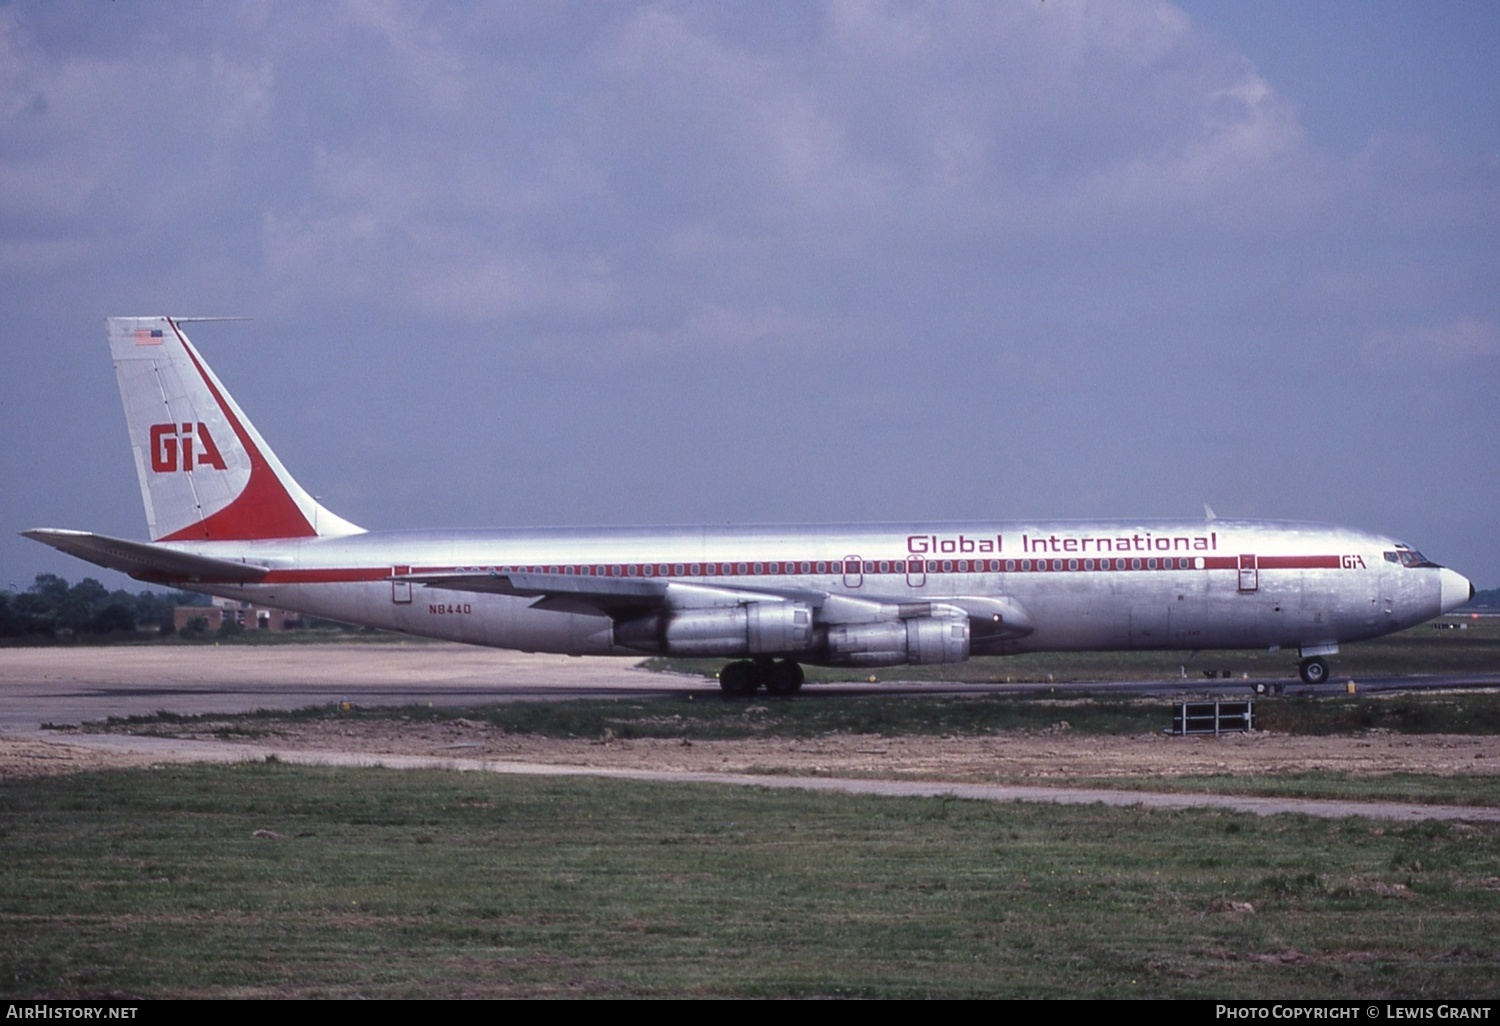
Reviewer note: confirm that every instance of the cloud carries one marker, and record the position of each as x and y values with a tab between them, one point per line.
1464	341
1077	230
399	157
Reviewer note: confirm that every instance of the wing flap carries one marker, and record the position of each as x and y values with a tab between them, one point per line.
563	593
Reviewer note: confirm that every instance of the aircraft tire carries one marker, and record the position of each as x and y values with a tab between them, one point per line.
785	678
1314	670
739	678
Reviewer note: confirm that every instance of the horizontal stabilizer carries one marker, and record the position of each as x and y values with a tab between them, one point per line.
146	562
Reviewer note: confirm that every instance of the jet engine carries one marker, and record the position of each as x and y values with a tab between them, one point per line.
756	628
921	639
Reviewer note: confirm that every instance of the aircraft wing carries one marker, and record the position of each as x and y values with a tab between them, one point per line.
610	596
147	562
623	597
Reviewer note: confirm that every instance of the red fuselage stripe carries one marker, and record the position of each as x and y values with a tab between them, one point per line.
792	568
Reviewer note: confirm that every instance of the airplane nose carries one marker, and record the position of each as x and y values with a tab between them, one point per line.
1456	589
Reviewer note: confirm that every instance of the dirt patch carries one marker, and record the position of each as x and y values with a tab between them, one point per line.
1020	755
31	757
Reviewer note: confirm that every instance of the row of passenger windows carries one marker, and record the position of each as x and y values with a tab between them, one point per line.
869	566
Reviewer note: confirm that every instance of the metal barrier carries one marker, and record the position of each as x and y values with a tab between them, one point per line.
1212	717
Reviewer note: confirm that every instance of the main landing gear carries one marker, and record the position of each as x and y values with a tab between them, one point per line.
778	676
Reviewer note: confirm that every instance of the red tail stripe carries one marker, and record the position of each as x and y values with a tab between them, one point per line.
264	509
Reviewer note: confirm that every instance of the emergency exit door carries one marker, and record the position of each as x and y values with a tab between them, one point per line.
1249	573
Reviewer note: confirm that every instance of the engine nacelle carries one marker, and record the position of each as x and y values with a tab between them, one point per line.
937	639
921	639
757	628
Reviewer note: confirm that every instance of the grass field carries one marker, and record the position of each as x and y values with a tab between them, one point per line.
1417	788
713	717
383	883
1470	645
267	879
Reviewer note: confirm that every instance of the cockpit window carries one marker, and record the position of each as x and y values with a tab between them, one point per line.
1408	556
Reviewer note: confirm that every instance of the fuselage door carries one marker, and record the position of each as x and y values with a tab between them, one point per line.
916	573
1249	573
854	574
401	590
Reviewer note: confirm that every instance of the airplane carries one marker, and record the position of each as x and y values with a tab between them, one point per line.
227	519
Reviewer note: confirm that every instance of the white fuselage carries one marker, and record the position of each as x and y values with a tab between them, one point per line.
1079	585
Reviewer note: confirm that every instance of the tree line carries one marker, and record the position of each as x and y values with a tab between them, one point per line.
52	607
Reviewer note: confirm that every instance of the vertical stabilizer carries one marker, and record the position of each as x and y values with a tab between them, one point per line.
206	474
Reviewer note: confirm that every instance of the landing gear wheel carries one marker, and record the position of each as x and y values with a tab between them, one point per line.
739	678
784	678
1314	670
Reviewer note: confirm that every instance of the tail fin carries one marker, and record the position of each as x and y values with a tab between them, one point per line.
206	474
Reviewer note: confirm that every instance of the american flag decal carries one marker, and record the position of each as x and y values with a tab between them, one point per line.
148	338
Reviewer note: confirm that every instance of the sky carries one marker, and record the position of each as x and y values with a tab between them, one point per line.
532	263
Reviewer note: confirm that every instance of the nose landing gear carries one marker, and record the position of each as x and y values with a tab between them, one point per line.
1313	670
